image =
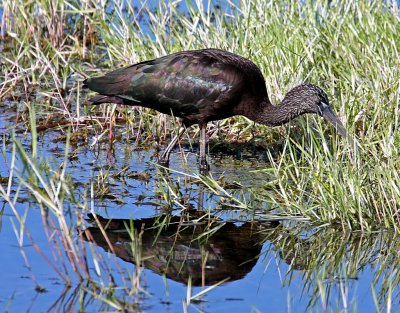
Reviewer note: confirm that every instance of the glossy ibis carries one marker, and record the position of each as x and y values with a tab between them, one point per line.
206	85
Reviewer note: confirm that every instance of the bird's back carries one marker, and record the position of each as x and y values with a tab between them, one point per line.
198	86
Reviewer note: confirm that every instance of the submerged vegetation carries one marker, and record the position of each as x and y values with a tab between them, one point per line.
349	48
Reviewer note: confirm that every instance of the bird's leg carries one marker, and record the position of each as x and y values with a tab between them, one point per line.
204	167
200	204
164	159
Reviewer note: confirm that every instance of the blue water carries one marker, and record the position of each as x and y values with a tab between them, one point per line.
262	289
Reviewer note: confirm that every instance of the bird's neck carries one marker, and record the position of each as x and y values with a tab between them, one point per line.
274	115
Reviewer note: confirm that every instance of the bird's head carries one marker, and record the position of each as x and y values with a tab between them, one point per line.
310	98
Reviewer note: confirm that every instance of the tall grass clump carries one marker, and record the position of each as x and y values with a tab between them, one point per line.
352	50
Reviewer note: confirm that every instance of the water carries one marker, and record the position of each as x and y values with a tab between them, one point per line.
278	266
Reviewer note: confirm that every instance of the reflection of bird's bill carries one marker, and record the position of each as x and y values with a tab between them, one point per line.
331	117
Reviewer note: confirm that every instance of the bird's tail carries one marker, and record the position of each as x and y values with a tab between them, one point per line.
113	83
85	83
95	84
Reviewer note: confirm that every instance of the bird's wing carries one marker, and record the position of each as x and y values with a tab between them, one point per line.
182	83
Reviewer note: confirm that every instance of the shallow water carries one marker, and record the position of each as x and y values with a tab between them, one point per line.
269	266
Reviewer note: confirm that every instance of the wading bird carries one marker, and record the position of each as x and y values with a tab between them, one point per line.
200	86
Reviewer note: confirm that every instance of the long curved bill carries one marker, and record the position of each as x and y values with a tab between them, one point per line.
331	117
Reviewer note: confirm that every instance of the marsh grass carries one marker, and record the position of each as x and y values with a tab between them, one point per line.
349	48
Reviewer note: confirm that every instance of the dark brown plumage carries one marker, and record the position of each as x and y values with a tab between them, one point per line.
206	85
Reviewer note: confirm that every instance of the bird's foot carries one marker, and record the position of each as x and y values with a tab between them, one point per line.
204	167
163	161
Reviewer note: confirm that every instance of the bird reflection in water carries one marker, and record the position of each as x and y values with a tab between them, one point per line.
207	251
